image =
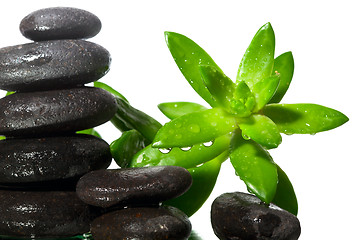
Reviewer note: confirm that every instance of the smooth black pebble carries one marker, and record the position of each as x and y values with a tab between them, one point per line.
133	186
60	23
142	223
53	158
52	65
55	112
243	216
43	214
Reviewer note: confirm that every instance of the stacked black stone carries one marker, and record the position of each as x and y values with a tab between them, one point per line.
42	158
130	199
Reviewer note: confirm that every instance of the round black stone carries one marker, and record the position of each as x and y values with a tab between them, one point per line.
43	214
52	65
55	112
142	223
60	23
53	158
133	186
243	216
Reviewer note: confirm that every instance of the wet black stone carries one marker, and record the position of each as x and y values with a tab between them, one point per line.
60	23
52	65
133	186
243	216
55	112
43	214
53	158
142	223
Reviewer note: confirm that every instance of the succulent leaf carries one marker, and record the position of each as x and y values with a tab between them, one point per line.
258	60
283	65
254	166
219	85
194	128
304	118
262	130
176	109
188	56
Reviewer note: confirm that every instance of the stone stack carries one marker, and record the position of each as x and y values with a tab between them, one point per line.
54	182
42	158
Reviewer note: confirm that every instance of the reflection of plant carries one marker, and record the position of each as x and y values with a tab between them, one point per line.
247	109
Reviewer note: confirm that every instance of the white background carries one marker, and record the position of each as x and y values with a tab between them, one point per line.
323	36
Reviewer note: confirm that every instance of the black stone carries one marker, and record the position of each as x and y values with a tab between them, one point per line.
43	214
243	216
55	112
60	23
52	65
133	186
53	158
142	223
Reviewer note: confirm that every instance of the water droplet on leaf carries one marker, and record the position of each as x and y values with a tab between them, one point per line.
165	150
185	148
194	128
208	144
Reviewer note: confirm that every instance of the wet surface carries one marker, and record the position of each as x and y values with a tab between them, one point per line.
60	23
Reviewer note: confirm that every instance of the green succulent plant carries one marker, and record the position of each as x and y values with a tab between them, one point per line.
248	110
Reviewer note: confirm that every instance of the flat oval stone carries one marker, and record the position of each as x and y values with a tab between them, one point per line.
243	216
60	23
52	158
142	223
133	186
55	112
43	214
52	65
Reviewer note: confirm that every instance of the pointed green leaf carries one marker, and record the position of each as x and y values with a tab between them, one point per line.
219	85
264	90
258	60
284	65
304	118
128	117
255	167
262	130
89	131
195	128
188	56
243	101
9	93
109	89
285	196
187	157
176	109
124	148
204	179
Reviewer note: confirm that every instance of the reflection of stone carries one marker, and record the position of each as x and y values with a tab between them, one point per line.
142	223
42	213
